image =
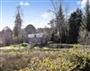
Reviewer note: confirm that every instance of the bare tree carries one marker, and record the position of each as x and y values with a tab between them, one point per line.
60	26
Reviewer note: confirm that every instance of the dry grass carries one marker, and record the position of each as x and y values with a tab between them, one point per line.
71	59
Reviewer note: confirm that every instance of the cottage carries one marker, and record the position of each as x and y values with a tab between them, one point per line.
37	38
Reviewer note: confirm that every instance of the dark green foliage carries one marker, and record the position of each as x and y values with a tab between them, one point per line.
88	16
53	36
74	26
24	45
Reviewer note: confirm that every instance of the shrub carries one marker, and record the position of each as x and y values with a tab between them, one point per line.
24	44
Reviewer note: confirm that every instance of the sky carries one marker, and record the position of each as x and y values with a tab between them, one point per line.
35	12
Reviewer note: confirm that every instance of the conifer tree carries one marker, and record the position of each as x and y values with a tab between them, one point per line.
74	26
17	28
88	16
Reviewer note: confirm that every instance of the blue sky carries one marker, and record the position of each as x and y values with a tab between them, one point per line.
34	12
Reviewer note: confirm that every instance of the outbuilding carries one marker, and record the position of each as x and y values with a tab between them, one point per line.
37	38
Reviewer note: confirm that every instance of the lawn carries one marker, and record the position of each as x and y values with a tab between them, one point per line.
61	59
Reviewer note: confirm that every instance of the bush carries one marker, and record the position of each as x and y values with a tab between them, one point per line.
24	44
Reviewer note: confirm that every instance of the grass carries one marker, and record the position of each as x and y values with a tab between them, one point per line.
72	59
